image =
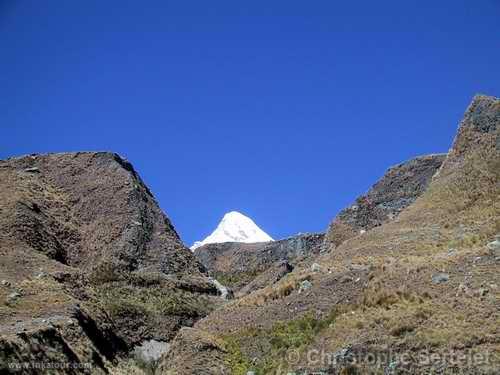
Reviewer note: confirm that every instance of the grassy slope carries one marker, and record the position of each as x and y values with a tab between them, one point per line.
386	274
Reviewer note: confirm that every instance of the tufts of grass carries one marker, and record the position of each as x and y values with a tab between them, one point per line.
36	296
236	279
122	300
473	184
284	288
106	272
296	334
130	367
235	359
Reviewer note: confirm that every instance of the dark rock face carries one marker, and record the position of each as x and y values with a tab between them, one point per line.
95	265
477	131
483	114
397	189
88	208
236	264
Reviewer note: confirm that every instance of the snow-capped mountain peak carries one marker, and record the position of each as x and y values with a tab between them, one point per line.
235	227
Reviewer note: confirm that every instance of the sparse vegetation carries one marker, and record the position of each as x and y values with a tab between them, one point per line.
126	299
422	280
275	292
130	367
445	230
295	334
236	279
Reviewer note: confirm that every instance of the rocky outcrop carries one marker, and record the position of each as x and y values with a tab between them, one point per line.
95	266
477	133
236	264
87	209
400	186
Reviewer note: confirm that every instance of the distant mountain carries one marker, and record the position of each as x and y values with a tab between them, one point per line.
235	227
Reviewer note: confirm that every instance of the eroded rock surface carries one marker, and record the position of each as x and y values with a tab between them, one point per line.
237	264
90	264
400	186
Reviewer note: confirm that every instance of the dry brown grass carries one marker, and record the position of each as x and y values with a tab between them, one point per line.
282	289
38	296
127	367
445	230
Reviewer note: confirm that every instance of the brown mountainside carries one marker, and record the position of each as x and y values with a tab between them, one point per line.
408	296
90	265
93	274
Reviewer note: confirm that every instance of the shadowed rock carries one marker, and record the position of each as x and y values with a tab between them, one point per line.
85	239
237	264
400	186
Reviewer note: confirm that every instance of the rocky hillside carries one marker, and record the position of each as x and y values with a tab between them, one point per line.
248	267
400	186
90	266
237	264
94	278
418	294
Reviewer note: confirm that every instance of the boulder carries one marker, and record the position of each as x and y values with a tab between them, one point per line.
13	297
440	278
149	352
305	285
494	246
315	267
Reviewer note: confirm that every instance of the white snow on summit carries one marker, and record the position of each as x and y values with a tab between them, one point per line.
235	227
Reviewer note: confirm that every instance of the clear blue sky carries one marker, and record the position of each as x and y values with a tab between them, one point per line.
283	110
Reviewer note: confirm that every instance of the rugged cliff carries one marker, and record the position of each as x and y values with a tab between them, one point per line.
237	264
400	186
90	265
92	271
